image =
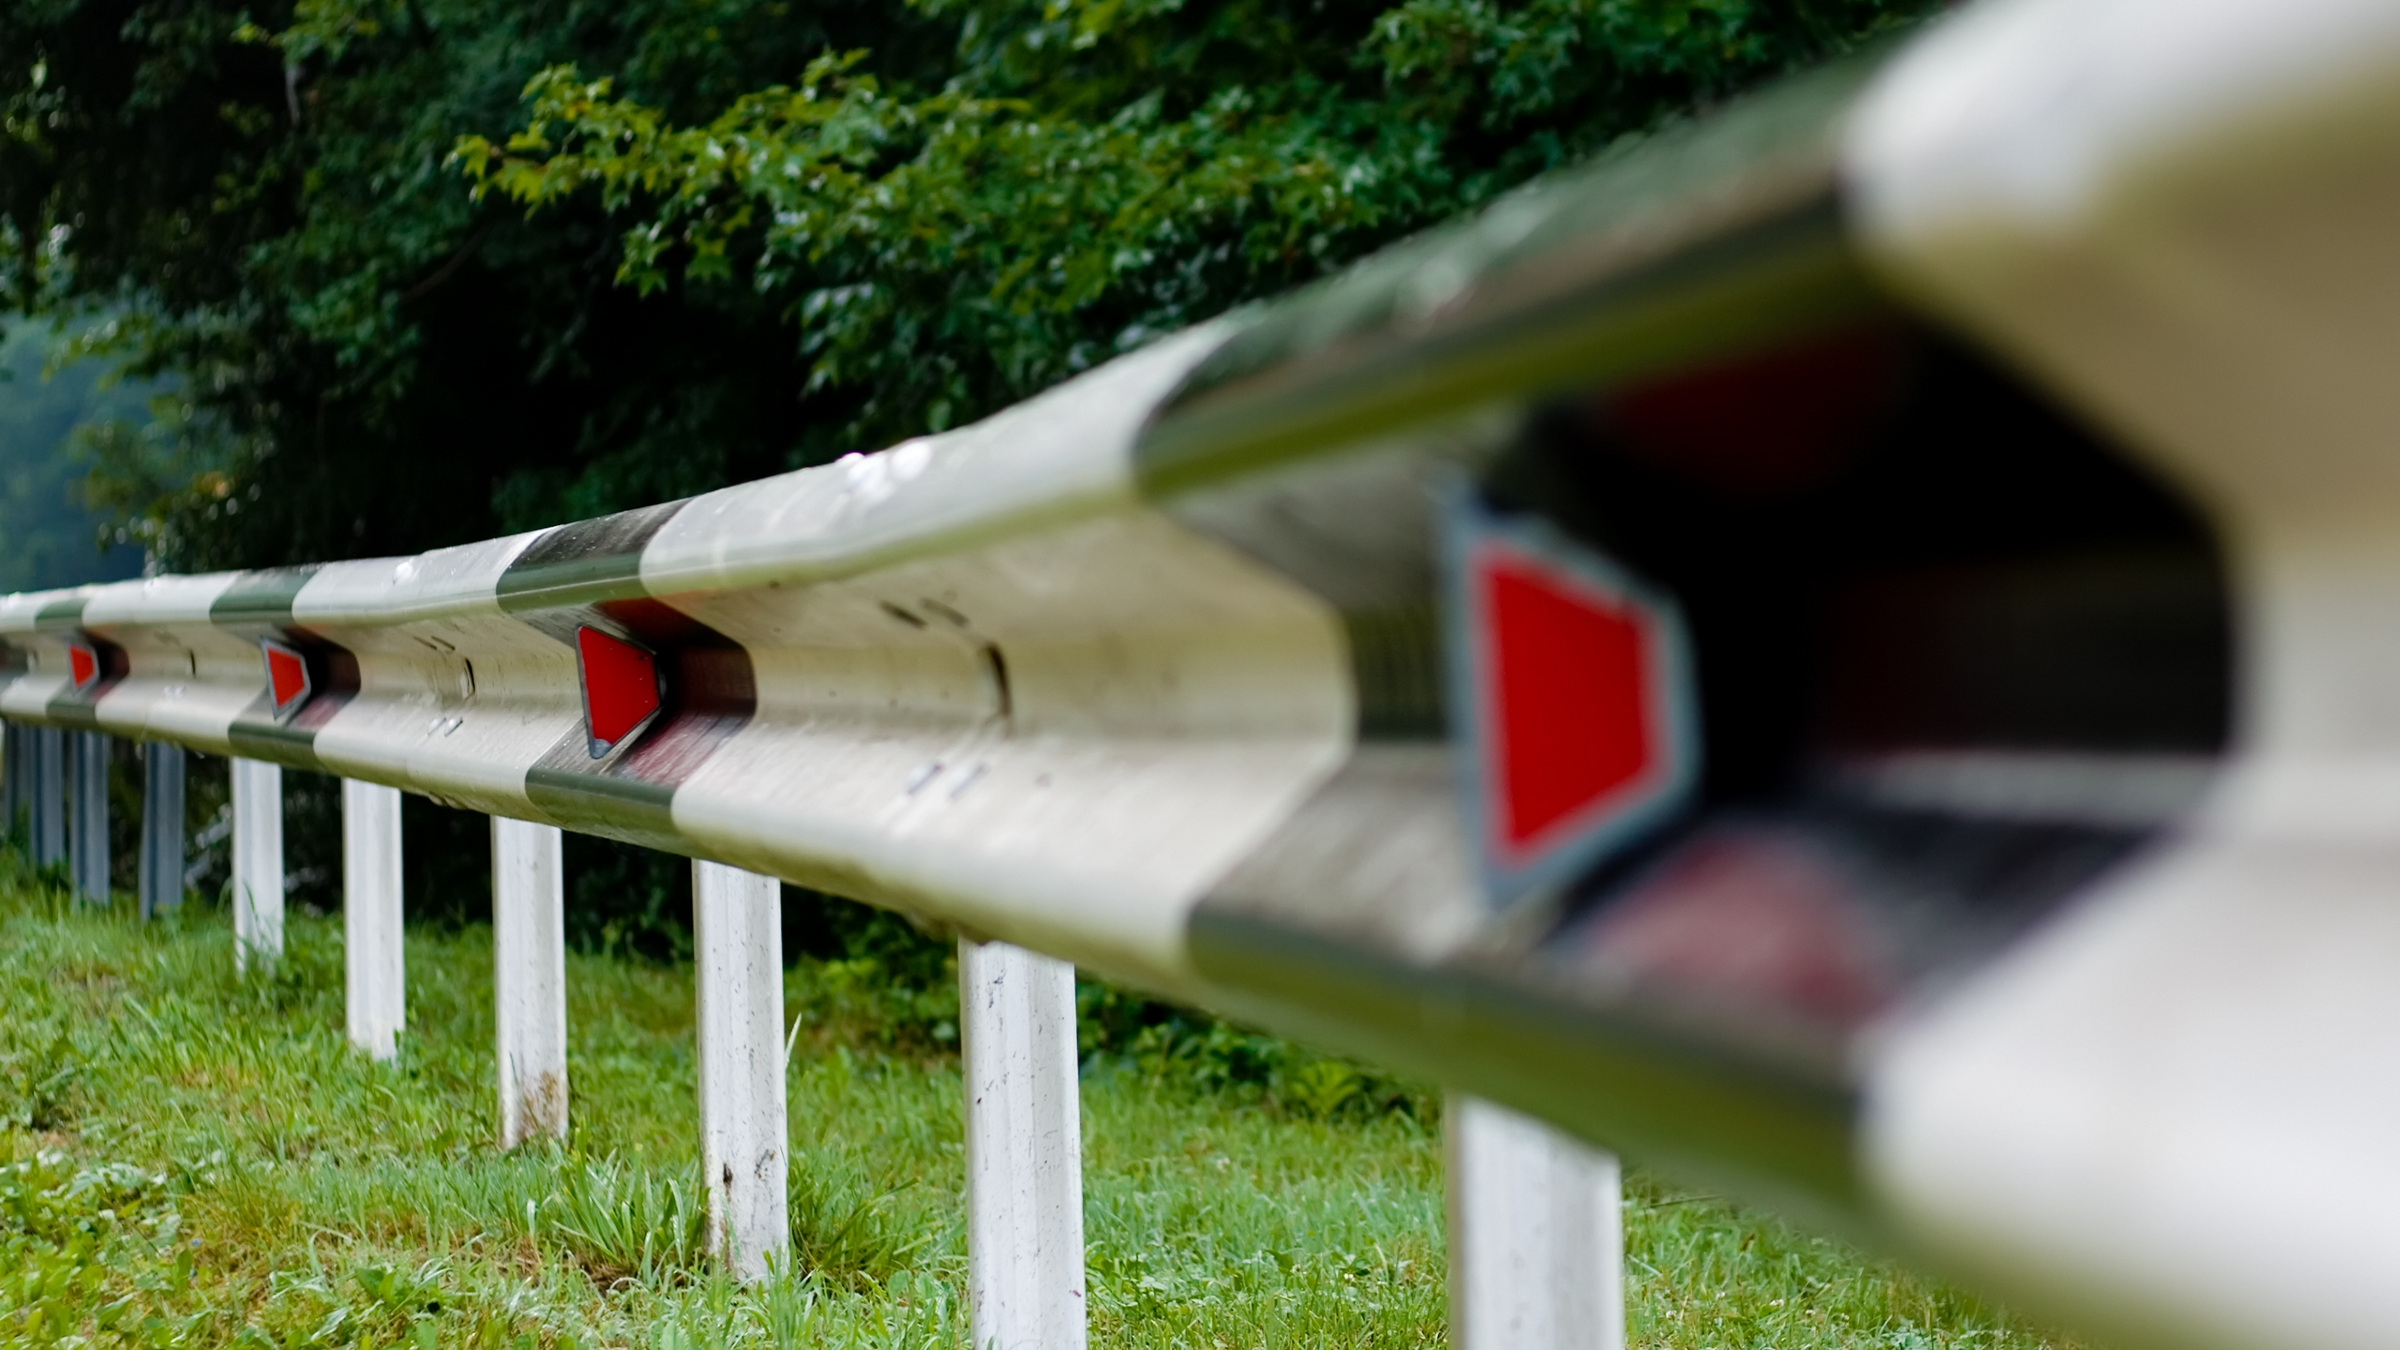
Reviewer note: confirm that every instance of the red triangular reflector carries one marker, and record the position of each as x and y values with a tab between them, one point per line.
83	664
1573	695
620	687
1572	699
288	684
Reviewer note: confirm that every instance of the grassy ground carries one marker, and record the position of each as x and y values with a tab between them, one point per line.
188	1159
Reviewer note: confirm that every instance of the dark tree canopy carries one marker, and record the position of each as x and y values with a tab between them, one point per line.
707	240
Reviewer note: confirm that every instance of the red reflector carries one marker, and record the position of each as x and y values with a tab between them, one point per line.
83	665
288	683
620	688
1571	697
1574	693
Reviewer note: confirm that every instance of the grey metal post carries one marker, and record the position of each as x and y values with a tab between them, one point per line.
12	777
49	796
162	827
87	816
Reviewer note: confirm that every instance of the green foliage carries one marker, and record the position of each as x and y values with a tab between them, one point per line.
1090	175
36	1081
842	223
873	978
1171	1049
369	362
845	1231
625	1223
70	1234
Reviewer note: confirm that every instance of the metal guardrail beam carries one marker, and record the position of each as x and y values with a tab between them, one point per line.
1844	651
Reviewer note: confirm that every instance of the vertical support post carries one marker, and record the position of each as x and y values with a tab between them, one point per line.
87	816
13	746
257	863
1537	1246
745	1135
70	783
529	978
162	828
49	796
375	977
1025	1276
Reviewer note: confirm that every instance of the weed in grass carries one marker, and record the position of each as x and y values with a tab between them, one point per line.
35	1081
845	1233
626	1225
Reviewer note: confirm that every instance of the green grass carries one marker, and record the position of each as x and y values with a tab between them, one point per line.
191	1159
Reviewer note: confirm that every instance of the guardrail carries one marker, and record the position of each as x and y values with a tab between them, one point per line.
1842	651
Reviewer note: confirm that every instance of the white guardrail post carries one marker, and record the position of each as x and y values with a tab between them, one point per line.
257	862
1025	1276
745	1133
375	977
529	978
1537	1250
49	796
161	885
87	816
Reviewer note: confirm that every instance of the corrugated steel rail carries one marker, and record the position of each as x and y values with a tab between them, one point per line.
1980	459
